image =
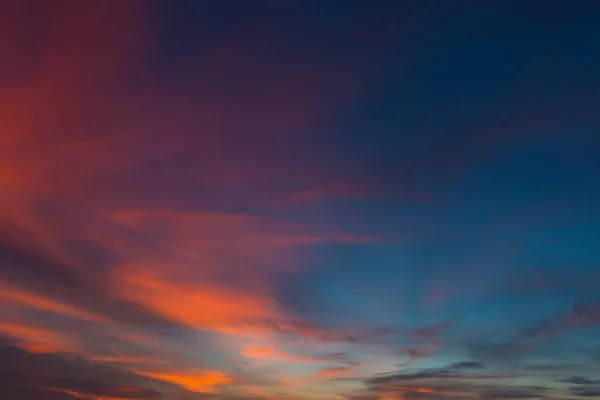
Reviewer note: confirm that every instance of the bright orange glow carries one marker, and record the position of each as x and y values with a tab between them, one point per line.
391	397
203	307
407	389
257	353
423	390
194	381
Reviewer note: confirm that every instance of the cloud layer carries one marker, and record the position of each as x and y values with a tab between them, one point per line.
322	201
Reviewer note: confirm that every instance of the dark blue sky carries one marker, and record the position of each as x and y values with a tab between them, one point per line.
358	200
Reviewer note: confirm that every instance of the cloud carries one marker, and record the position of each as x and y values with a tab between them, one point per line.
54	376
232	237
270	354
196	305
108	171
453	371
149	210
467	365
279	356
39	340
334	372
123	393
514	393
578	317
194	380
371	335
61	284
444	386
420	352
585	391
457	380
12	295
431	332
580	380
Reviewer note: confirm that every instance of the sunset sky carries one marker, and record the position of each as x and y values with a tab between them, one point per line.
299	199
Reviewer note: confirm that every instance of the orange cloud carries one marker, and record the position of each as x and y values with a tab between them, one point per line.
258	353
38	340
263	353
423	390
194	381
125	359
198	305
334	372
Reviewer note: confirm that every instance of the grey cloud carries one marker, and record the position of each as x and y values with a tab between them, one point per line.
413	375
514	392
580	380
509	395
457	389
452	371
467	365
585	391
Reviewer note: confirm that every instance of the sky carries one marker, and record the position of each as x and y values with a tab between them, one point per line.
299	200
